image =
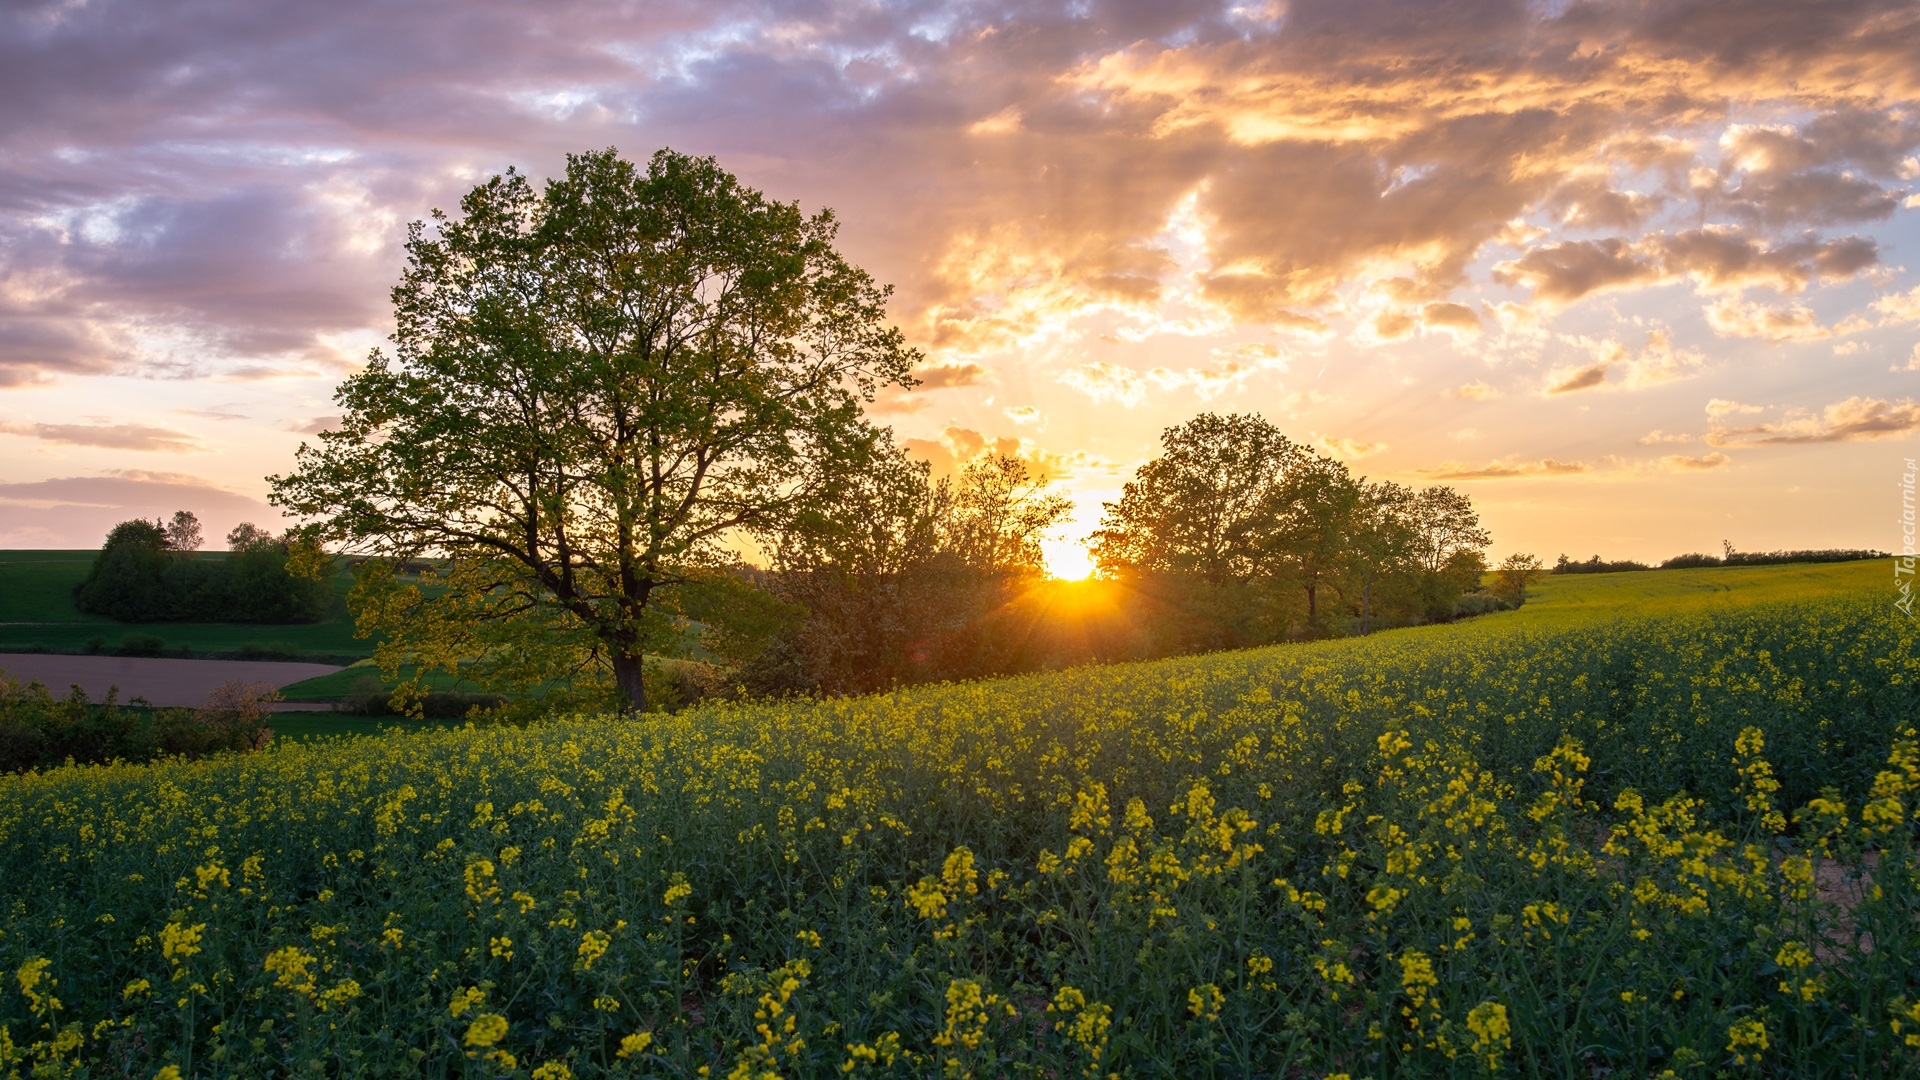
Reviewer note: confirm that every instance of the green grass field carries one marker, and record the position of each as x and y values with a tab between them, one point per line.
336	686
1657	824
1565	597
37	612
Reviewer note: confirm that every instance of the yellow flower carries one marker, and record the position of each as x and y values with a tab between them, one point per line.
553	1070
1492	1035
958	872
480	886
927	899
470	998
30	975
289	965
635	1044
178	941
1205	1002
1746	1040
486	1029
593	945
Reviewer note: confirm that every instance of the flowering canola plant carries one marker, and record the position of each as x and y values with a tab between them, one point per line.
1674	845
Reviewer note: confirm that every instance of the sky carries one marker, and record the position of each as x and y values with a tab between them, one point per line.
1640	278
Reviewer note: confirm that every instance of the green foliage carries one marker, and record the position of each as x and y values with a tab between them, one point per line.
1234	510
1542	843
595	388
37	608
893	578
139	577
38	730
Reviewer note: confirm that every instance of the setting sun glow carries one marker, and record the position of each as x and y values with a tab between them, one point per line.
1068	559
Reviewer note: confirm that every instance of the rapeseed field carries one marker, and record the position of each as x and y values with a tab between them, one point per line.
1653	846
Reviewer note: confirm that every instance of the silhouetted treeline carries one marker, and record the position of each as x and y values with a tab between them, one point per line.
1771	558
1597	565
148	572
1234	537
38	730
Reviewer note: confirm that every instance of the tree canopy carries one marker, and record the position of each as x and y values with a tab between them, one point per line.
597	389
1235	517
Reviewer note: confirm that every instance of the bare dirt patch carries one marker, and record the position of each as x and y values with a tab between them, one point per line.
163	682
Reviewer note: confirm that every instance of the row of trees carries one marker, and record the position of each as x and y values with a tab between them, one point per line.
602	392
148	572
1265	528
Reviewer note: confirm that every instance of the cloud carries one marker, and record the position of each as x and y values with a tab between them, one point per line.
132	437
1737	318
1351	449
1656	437
1563	272
1474	391
957	446
1458	319
1022	414
228	194
1507	468
1716	258
1856	419
949	374
1103	382
78	511
1465	434
1658	362
1683	463
1564	380
1896	308
316	425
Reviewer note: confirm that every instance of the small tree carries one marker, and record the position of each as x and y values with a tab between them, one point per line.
1313	525
1381	543
247	535
1205	507
1517	571
1449	546
596	391
997	515
183	532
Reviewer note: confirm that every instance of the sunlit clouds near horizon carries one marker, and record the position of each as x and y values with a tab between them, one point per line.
1639	278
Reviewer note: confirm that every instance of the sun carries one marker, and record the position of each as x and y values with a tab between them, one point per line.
1067	560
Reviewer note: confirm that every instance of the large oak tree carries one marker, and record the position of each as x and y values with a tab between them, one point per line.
596	389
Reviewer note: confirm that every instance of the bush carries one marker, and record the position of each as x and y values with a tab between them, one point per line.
39	731
1596	565
368	696
137	577
1689	561
1479	603
141	645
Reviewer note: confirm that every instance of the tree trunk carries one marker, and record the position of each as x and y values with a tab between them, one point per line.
628	672
1366	609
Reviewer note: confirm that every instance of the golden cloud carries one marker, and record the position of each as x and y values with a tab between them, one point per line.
1856	419
138	438
1656	363
1683	463
1507	468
